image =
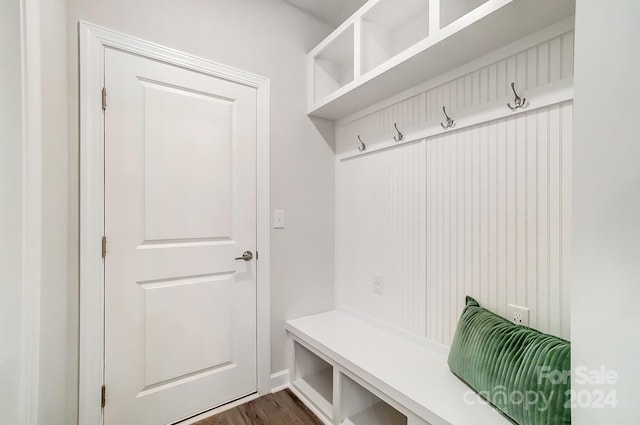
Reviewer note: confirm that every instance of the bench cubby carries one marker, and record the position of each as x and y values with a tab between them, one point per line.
361	407
314	377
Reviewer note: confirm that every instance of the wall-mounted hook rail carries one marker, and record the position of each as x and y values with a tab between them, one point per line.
400	136
362	147
518	101
450	122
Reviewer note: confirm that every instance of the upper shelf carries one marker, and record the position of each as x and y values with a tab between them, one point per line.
388	46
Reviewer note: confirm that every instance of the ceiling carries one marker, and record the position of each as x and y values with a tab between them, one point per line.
333	12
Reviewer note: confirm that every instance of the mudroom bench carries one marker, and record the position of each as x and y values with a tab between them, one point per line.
351	372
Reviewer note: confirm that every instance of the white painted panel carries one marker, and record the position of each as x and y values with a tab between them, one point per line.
187	143
567	55
532	67
532	214
382	227
190	336
501	217
492	218
554	222
555	55
490	210
483	245
495	203
543	64
545	131
521	211
606	202
566	197
522	68
461	223
432	234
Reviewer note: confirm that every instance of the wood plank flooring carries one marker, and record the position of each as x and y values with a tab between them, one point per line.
281	408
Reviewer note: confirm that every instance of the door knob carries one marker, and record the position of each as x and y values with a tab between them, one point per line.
246	256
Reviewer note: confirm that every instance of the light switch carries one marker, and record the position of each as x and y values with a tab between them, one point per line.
278	219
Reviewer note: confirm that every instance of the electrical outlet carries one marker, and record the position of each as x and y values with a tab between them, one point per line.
377	284
518	315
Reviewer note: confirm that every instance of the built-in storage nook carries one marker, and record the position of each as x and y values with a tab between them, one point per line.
361	407
451	11
336	397
389	28
314	377
333	66
389	46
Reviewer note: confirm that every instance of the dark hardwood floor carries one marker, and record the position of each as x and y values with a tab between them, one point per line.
281	408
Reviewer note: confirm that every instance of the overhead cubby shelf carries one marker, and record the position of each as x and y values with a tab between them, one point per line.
388	46
333	66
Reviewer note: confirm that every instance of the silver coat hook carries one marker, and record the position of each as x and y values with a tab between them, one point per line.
362	146
518	101
450	122
400	136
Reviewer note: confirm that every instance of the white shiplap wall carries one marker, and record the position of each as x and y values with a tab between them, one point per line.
383	219
482	211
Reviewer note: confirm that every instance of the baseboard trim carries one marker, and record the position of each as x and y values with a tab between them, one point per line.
280	381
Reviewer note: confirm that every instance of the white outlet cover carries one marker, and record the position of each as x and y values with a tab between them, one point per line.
377	284
513	311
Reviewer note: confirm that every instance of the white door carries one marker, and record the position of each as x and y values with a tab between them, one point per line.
180	206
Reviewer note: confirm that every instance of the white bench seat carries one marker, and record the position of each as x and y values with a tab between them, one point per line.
410	374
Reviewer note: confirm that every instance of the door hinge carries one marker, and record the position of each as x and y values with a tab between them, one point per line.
104	246
103	396
104	98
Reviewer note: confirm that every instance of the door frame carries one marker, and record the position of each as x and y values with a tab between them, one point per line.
93	42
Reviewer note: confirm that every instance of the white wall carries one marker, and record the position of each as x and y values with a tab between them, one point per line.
57	356
266	37
606	261
10	208
481	211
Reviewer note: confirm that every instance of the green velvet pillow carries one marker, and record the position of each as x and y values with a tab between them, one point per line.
522	372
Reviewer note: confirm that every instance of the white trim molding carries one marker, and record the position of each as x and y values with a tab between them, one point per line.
93	41
280	381
31	210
